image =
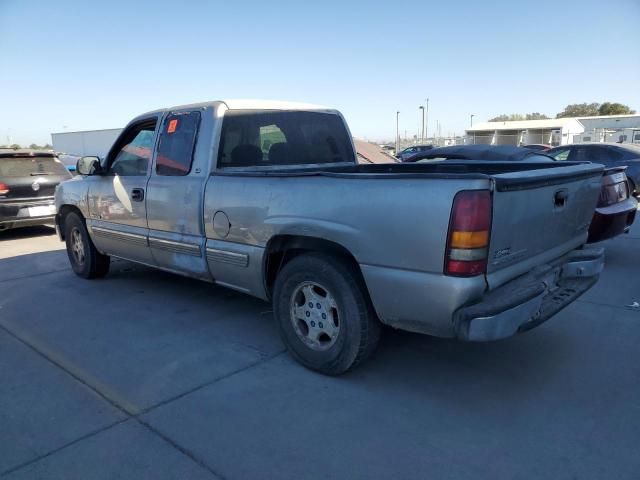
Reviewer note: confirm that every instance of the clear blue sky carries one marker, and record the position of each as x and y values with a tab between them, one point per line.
95	64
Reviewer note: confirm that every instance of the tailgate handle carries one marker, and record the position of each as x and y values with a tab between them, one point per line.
560	198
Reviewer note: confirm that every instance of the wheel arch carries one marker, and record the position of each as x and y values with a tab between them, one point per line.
61	217
281	249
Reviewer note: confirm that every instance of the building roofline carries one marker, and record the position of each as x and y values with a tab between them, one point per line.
626	115
86	131
524	124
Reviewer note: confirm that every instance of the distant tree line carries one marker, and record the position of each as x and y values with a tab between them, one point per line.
518	116
572	110
33	146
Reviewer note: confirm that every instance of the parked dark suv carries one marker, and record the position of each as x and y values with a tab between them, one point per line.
28	181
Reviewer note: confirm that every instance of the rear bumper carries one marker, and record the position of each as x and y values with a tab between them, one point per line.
531	299
22	213
609	222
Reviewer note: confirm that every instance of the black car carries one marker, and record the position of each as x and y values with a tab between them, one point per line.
409	152
537	146
616	208
28	181
608	154
494	153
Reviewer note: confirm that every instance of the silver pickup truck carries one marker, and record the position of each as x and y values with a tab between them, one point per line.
267	198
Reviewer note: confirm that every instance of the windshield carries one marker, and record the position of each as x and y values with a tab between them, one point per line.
26	166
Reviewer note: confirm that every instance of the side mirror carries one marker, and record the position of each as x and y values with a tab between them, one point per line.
89	166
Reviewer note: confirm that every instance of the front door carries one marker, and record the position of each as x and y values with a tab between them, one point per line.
117	200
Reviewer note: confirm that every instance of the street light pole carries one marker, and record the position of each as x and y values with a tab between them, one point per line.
472	115
426	122
421	107
397	131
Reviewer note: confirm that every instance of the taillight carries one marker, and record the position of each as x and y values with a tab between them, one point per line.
612	193
468	237
4	189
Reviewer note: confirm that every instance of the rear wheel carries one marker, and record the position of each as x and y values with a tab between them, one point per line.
85	259
324	313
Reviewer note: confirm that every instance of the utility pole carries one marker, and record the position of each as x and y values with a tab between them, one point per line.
397	131
426	122
421	107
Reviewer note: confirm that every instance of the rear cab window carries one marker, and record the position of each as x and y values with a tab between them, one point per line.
274	137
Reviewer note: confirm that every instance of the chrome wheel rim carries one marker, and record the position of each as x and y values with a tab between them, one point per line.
77	246
315	316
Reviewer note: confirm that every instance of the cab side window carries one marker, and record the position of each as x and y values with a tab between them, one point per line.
177	144
133	150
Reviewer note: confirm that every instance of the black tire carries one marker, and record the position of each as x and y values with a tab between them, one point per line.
85	259
359	328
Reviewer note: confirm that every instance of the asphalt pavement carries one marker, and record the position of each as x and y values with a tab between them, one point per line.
145	374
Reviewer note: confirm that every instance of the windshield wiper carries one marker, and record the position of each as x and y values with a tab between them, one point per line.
37	174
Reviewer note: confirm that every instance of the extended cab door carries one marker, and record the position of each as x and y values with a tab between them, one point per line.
117	199
175	192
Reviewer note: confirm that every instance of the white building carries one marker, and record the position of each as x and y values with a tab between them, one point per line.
88	142
557	131
611	128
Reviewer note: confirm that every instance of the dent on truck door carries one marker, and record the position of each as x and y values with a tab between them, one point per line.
117	200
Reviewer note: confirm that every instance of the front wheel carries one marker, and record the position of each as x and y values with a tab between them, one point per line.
324	313
85	259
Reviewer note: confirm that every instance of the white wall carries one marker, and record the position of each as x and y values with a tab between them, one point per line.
91	142
612	123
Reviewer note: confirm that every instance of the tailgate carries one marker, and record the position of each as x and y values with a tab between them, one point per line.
539	215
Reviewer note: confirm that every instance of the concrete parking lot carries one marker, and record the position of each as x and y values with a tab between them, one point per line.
145	374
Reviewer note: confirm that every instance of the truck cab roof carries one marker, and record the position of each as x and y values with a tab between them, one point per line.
247	104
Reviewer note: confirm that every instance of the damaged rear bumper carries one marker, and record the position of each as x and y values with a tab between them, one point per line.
531	299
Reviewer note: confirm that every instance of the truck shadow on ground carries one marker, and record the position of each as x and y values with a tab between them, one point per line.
404	362
27	232
403	359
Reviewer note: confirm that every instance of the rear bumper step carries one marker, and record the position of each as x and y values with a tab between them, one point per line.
531	299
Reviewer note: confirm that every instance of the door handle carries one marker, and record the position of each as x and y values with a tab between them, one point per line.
137	194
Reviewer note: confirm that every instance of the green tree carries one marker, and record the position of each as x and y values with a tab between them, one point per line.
34	146
48	146
15	146
507	118
536	116
580	110
608	108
